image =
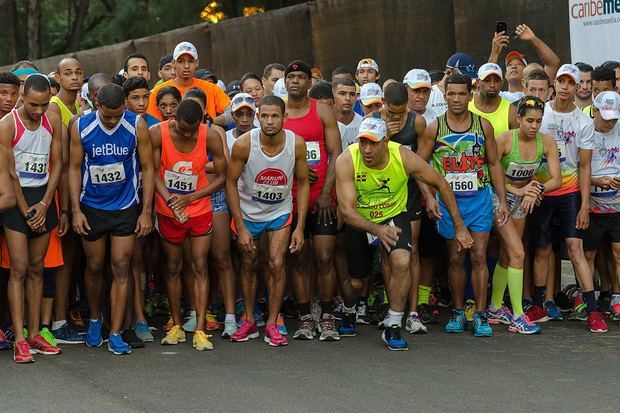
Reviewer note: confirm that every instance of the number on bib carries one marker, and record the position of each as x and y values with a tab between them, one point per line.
463	183
313	153
33	165
268	194
521	171
107	174
179	183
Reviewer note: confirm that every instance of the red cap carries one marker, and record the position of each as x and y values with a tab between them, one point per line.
515	55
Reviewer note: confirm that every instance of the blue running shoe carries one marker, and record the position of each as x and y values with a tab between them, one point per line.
143	332
67	334
348	325
93	335
523	325
4	343
457	322
480	326
117	346
500	316
394	339
553	312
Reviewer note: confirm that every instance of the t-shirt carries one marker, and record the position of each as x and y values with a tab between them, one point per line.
511	96
429	115
436	101
217	100
348	133
605	162
572	131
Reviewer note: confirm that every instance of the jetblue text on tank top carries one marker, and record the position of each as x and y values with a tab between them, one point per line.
31	150
110	168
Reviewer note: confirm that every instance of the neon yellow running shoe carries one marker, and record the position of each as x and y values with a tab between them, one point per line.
176	335
470	309
201	341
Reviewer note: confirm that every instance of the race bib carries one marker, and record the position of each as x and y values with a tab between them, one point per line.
521	171
107	174
597	191
33	165
269	194
313	153
561	150
463	183
179	183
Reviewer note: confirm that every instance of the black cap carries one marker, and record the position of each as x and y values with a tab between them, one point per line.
298	66
233	88
205	74
165	60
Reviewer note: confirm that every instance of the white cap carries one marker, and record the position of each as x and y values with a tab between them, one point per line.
569	70
185	48
368	63
418	79
374	129
371	93
279	89
241	100
608	104
488	69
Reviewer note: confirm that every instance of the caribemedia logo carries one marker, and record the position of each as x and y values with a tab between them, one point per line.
594	8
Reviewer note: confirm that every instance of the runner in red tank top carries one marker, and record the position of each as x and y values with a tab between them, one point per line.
316	123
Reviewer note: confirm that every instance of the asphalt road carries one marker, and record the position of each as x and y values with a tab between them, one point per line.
565	369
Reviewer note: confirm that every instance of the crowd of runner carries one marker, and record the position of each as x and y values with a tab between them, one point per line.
339	201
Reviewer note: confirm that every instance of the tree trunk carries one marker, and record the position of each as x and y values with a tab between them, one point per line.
77	29
10	24
34	29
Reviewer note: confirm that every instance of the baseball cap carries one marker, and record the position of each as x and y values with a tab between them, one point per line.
205	74
417	79
569	70
464	63
185	48
233	88
368	63
373	129
279	89
488	69
371	93
608	103
165	60
515	55
242	100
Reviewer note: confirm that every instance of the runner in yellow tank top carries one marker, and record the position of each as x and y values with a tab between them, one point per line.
70	75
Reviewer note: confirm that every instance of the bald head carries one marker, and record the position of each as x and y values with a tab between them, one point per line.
96	82
70	75
528	69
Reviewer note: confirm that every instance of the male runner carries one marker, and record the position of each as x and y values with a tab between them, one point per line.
166	69
464	151
243	113
419	87
603	80
34	133
259	184
344	99
367	71
372	185
271	74
371	97
136	65
70	75
109	149
137	94
251	84
583	95
458	63
183	206
316	123
9	92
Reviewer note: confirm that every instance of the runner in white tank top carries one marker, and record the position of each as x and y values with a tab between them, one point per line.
31	150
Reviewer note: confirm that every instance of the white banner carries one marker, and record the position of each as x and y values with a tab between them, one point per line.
594	30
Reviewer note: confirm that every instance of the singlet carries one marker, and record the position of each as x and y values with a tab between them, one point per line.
183	173
381	194
310	127
605	162
31	150
515	167
265	185
65	113
230	138
110	168
460	157
499	118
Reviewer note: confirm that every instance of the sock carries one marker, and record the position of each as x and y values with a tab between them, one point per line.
604	294
590	300
326	307
499	287
303	308
424	294
58	324
515	290
230	317
348	310
395	318
539	295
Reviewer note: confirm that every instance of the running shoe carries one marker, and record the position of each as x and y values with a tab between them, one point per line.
189	325
615	311
21	353
38	345
75	317
348	325
426	314
9	334
579	313
306	328
117	346
384	322
288	308
537	314
93	335
456	322
67	334
527	304
500	316
338	307
327	328
144	332
596	322
273	336
362	313
480	326
211	323
230	327
523	325
393	337
445	298
175	336
553	312
201	341
246	331
130	337
170	323
4	343
470	309
414	324
562	302
280	324
48	336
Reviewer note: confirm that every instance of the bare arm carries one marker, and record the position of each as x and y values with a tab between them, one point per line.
145	152
222	134
238	157
499	42
333	145
585	176
160	187
553	161
512	117
303	181
7	132
550	60
7	192
55	158
496	171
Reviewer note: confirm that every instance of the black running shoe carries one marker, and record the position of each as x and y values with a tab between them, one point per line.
129	336
426	314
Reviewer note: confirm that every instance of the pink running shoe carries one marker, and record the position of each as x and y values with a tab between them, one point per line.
273	336
245	332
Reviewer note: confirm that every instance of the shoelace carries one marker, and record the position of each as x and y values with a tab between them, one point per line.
329	324
306	324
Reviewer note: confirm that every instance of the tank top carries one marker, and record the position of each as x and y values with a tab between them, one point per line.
460	157
265	185
311	129
65	113
183	173
499	118
31	150
381	194
230	138
110	168
515	167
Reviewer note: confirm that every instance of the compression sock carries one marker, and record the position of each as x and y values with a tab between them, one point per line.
424	294
590	300
303	308
499	287
515	290
539	295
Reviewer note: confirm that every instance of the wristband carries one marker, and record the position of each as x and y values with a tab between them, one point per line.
43	203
